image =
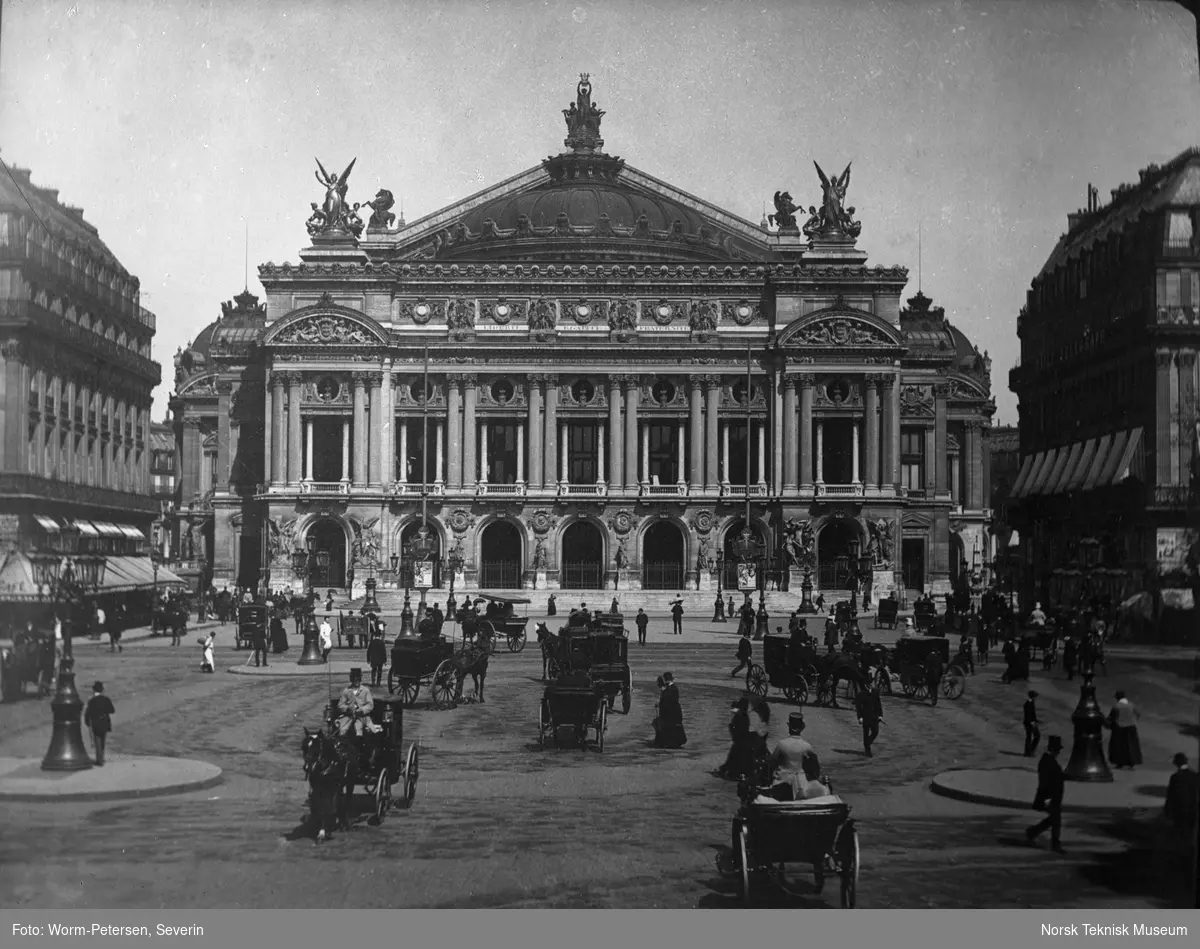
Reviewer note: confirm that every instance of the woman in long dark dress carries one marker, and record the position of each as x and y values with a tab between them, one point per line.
1124	747
279	642
668	726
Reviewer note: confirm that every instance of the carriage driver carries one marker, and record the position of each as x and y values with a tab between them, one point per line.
355	705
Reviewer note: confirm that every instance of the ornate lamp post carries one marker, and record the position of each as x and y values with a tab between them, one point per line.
406	614
370	603
762	620
1087	748
311	656
421	548
719	605
454	563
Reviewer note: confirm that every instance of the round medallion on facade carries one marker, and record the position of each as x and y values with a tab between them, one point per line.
422	313
328	389
663	392
838	391
703	522
540	522
622	522
415	393
460	521
739	392
664	313
583	392
583	313
502	312
743	313
502	391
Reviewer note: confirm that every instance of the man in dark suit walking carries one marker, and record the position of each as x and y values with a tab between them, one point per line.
98	717
745	652
1183	795
870	714
641	621
1049	795
1032	734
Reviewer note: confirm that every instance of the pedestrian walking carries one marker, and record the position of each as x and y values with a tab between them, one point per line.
376	657
869	706
736	762
1032	734
259	640
965	654
668	723
551	606
1049	796
745	651
730	612
1183	795
1070	656
206	643
677	617
329	602
831	633
325	632
1124	747
98	717
641	621
820	602
113	628
933	675
98	621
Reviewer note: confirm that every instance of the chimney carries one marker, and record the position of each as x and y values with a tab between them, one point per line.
1073	220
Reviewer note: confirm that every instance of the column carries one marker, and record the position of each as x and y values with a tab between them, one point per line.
778	427
894	433
345	449
483	452
550	434
632	398
762	453
520	454
564	453
224	392
712	395
360	434
872	475
535	432
941	392
789	435
439	471
855	473
646	454
469	433
956	477
616	460
278	437
807	381
387	445
696	437
308	450
12	425
375	445
454	433
820	452
725	452
976	498
932	462
1186	399
294	432
681	470
600	469
1163	426
985	465
402	461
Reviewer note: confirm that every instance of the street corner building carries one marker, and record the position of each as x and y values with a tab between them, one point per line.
577	377
75	386
1106	498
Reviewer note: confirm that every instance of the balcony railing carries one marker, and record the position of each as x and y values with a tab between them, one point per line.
1172	495
1179	248
582	490
759	490
325	487
839	490
677	490
1177	316
406	489
501	490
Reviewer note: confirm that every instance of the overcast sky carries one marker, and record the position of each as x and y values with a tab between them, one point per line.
174	124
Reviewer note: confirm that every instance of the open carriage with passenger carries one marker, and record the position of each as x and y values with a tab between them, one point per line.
376	760
577	702
500	620
600	648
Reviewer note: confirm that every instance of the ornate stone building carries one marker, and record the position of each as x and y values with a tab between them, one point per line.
1106	494
555	371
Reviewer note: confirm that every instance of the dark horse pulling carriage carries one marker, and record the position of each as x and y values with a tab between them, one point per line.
29	660
498	620
438	662
577	702
908	660
796	667
601	650
336	764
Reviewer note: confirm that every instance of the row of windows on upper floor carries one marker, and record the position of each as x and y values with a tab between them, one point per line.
100	407
60	305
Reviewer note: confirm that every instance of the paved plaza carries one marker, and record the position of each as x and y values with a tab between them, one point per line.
500	822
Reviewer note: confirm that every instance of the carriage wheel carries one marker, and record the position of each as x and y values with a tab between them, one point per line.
799	691
848	862
516	641
383	795
824	693
409	689
909	689
443	683
601	727
552	669
627	692
757	681
412	771
953	685
883	680
743	854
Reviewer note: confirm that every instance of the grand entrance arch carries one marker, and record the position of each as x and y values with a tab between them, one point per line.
838	546
407	536
500	563
327	545
729	578
662	558
582	557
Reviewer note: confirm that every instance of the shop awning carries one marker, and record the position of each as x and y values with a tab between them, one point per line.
1115	453
1079	475
1102	450
85	527
1022	477
48	524
107	529
16	579
1043	476
1057	472
1122	469
131	532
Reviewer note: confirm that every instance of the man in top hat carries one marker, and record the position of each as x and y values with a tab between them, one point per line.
1049	795
98	717
355	705
677	617
745	652
1183	795
1032	734
641	621
787	760
870	713
377	654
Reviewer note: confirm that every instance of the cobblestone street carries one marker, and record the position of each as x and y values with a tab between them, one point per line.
499	821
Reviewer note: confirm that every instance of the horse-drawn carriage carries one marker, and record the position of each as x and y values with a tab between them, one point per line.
252	622
29	660
576	701
908	660
335	765
1043	639
788	666
818	833
416	661
355	627
601	650
499	620
887	613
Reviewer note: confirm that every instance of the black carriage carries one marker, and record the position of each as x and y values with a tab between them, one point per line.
499	621
887	613
415	661
789	666
817	833
354	627
1043	640
30	660
252	623
575	701
387	773
602	651
908	661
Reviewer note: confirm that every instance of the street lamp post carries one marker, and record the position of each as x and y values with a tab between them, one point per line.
454	563
422	549
302	566
719	605
406	613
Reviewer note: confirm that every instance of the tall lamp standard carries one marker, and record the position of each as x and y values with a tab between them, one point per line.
421	547
454	562
719	605
406	614
302	562
747	547
68	580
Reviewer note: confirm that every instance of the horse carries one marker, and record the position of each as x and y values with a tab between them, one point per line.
546	642
835	668
472	661
331	767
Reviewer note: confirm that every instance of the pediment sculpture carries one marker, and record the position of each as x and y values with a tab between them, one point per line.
833	221
334	216
840	332
324	330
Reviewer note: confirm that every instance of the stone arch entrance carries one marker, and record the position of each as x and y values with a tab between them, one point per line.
326	544
662	558
960	570
407	536
729	577
839	543
582	560
500	557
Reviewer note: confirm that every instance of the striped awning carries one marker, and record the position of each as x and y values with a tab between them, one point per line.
1123	467
131	532
1061	478
1115	453
1102	450
85	527
48	524
1056	473
1043	476
1079	475
108	530
1022	477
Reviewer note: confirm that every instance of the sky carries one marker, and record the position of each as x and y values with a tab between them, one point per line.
179	126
